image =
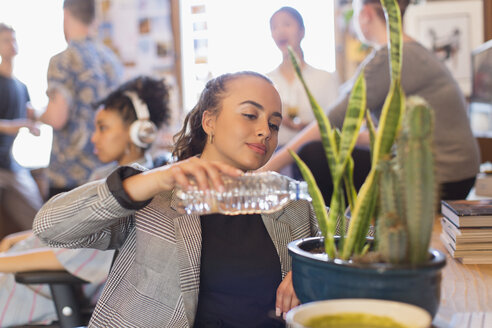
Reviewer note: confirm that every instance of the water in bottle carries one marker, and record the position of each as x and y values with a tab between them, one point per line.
250	193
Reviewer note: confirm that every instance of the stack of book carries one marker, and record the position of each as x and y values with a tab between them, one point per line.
467	230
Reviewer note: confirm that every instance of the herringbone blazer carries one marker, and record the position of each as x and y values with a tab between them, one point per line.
155	279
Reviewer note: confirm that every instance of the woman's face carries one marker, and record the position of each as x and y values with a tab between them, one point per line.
111	137
286	31
245	129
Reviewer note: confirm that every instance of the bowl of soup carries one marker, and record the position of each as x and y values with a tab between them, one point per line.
358	313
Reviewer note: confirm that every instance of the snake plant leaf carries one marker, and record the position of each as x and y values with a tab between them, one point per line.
326	132
394	104
372	130
337	202
352	122
393	29
348	178
389	122
318	205
338	138
362	212
337	208
346	142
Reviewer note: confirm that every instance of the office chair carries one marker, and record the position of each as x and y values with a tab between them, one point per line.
72	307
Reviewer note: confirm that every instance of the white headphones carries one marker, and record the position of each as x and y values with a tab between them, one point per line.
143	131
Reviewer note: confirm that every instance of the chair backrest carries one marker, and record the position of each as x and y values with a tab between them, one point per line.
72	308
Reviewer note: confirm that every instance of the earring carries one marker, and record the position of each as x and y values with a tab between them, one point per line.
211	138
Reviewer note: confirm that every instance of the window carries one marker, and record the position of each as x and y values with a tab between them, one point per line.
219	36
39	32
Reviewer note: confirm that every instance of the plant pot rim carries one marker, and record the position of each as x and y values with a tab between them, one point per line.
437	259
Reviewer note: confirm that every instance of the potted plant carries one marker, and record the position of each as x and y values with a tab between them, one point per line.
399	195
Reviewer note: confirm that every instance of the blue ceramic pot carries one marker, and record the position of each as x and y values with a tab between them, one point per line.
316	278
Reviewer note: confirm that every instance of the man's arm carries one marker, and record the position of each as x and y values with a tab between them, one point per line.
11	127
56	113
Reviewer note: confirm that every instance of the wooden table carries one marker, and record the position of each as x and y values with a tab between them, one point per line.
465	288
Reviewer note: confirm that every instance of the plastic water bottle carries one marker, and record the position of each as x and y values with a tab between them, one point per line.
250	193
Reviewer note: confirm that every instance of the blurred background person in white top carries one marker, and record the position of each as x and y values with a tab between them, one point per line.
287	28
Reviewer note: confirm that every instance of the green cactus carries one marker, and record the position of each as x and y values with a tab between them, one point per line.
407	190
417	177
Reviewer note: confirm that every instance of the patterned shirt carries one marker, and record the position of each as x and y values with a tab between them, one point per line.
83	73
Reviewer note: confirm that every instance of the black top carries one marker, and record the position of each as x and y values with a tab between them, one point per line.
240	273
13	100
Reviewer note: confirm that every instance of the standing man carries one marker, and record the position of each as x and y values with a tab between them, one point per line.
19	194
77	77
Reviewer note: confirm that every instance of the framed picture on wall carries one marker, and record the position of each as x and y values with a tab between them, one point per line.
451	30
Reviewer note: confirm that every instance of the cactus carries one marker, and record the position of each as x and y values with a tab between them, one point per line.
390	224
407	189
405	186
417	176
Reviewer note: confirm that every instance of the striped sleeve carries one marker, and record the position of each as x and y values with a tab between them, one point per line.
86	217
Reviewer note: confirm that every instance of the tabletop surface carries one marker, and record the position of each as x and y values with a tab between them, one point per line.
466	291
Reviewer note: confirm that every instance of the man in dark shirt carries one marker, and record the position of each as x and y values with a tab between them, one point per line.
19	195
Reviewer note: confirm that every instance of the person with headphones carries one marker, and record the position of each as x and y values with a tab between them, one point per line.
126	122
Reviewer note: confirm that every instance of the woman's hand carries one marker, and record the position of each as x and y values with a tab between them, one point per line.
286	297
146	185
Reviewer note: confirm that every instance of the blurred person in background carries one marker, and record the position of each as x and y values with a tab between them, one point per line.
287	28
77	77
122	136
19	195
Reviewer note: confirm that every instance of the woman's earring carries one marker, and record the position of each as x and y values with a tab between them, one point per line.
211	138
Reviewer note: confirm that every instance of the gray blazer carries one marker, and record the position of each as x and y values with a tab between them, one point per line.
155	279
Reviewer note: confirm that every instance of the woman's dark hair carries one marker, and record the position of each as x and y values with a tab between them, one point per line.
292	12
154	93
402	3
191	140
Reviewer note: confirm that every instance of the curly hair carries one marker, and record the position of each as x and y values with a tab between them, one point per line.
154	93
191	139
